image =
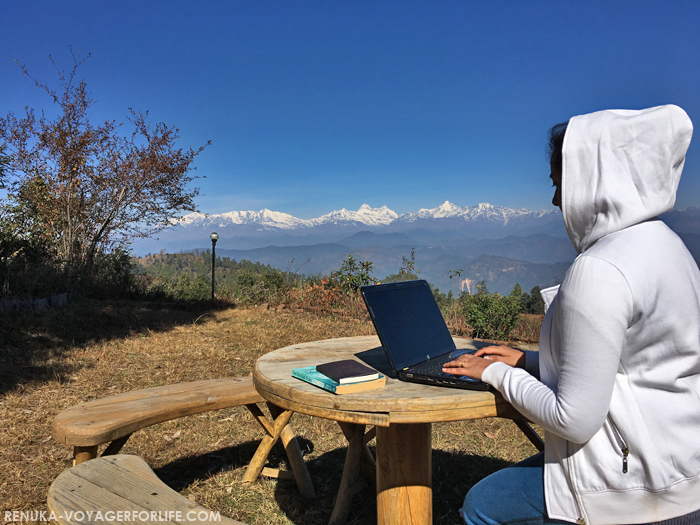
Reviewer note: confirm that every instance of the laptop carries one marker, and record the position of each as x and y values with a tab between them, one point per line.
414	334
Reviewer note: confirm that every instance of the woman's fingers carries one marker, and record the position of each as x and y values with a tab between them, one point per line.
466	365
505	354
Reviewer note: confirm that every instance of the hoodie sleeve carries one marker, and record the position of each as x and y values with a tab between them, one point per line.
593	311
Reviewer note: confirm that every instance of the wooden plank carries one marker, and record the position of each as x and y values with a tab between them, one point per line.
114	474
120	483
69	494
404	475
360	418
277	473
454	414
107	419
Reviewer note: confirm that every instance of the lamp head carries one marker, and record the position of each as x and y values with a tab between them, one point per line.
214	237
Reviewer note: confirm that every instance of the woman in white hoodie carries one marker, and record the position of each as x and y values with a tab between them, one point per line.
616	383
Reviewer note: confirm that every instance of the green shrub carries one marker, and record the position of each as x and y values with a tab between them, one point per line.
258	287
28	267
111	276
352	274
407	270
491	316
184	288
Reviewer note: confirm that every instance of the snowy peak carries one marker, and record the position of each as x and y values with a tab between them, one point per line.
365	215
481	211
263	217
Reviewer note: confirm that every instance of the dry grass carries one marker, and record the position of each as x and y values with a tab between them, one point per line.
52	360
528	330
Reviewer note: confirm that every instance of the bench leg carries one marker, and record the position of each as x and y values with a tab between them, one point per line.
275	431
82	454
115	446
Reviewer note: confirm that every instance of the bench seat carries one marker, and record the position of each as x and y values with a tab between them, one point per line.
112	484
113	419
110	418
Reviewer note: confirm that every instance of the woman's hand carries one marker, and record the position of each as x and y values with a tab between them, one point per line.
504	354
466	365
474	365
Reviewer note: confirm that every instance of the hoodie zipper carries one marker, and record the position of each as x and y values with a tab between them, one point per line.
570	475
621	443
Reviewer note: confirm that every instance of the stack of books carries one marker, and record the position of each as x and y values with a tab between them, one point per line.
341	377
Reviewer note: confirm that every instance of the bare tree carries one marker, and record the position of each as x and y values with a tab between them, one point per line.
86	187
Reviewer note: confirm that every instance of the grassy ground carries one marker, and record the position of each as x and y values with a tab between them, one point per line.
55	359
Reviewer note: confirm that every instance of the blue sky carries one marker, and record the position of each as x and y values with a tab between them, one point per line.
313	106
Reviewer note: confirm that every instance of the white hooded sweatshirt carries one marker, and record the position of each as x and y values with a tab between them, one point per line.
619	360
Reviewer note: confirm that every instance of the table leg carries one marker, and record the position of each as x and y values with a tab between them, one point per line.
367	463
533	436
404	475
356	444
273	433
275	430
295	457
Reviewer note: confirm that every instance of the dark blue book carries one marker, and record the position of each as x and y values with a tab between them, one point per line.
347	371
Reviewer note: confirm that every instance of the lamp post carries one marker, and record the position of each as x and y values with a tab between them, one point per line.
214	237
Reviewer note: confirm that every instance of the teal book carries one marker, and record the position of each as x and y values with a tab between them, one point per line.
312	376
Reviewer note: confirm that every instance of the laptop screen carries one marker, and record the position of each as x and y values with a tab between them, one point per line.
408	321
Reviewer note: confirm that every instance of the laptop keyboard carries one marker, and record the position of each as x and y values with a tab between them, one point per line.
436	367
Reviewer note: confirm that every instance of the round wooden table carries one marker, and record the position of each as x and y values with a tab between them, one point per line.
401	412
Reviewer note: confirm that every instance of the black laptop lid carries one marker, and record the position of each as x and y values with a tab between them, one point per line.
408	321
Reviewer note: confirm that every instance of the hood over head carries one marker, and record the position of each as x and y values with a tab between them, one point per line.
620	168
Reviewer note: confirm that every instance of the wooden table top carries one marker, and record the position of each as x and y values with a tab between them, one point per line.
397	402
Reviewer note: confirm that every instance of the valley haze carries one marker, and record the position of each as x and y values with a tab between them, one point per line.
502	246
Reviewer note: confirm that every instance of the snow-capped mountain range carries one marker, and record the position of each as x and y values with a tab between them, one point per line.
427	226
365	215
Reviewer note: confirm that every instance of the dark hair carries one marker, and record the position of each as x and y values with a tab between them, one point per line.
555	143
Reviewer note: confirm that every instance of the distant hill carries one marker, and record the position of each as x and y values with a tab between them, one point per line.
502	274
434	263
367	238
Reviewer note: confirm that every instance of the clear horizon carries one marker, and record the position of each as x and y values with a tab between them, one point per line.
313	106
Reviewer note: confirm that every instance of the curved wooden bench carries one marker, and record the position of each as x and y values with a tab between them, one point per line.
115	485
113	419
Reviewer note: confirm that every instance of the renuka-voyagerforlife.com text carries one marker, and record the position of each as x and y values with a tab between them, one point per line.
135	516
